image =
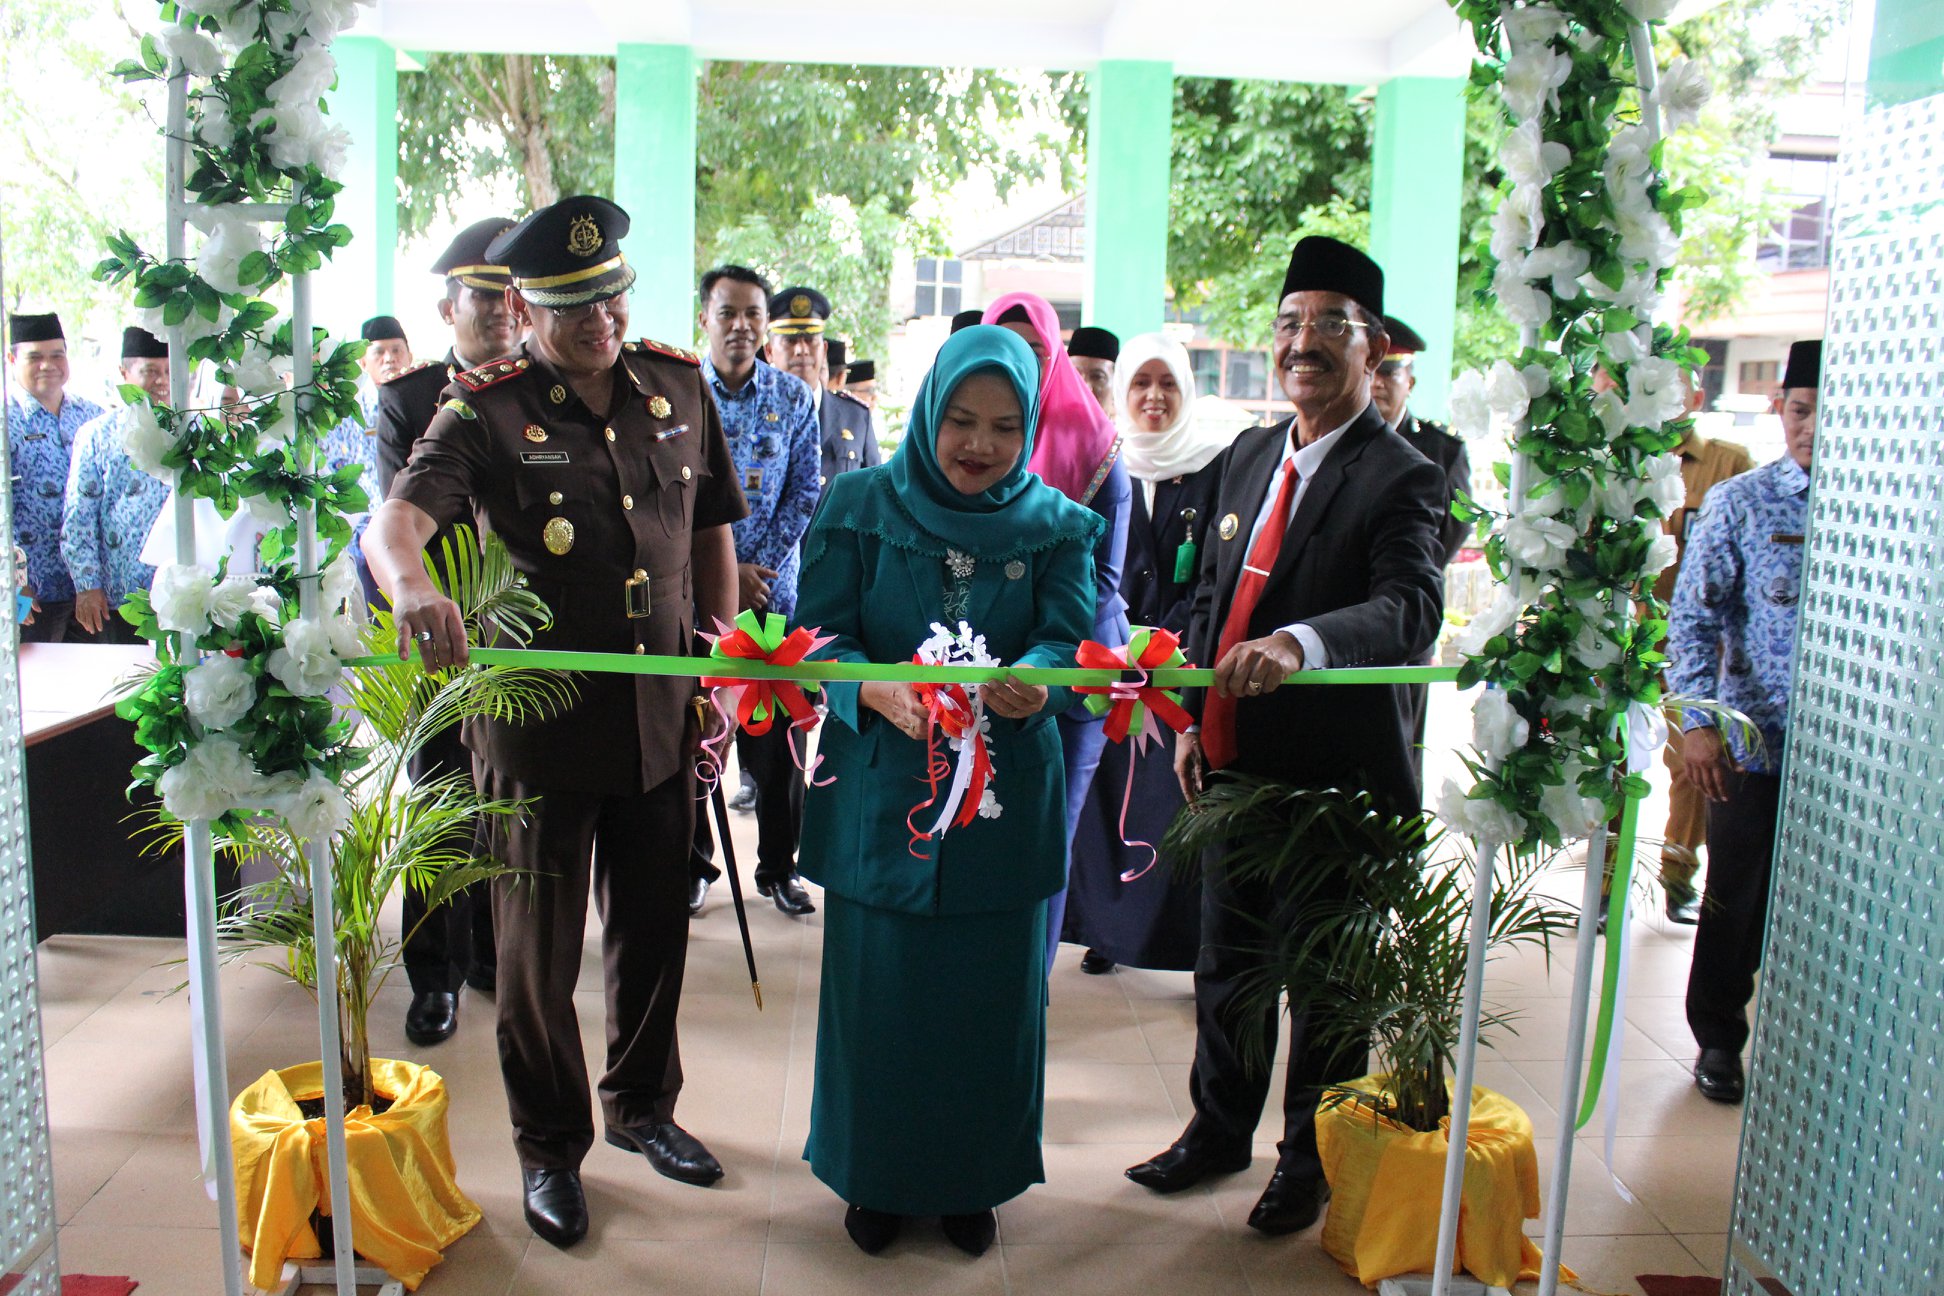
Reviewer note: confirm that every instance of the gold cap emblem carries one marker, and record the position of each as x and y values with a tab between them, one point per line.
536	433
583	236
659	406
558	535
800	305
1228	526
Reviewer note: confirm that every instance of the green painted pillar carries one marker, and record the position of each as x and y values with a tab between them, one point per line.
654	181
1416	201
358	281
1130	120
1906	51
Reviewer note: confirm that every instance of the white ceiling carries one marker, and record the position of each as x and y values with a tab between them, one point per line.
1345	41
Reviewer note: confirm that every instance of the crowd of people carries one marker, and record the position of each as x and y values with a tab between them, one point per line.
1049	488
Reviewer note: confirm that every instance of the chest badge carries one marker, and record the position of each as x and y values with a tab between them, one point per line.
1228	526
558	535
659	406
535	433
772	417
557	394
1015	569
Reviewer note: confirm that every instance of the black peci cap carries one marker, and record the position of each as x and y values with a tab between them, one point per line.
1404	340
861	371
1322	264
465	257
34	328
568	254
1805	365
798	311
965	319
1095	343
834	353
382	328
140	344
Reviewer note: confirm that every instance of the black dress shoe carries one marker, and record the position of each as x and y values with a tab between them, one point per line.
1289	1204
433	1016
698	894
745	798
556	1209
484	978
1718	1075
1094	963
972	1233
1183	1166
790	897
872	1230
1683	909
671	1150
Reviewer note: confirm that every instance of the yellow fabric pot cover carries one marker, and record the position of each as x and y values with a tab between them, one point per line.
1387	1182
406	1206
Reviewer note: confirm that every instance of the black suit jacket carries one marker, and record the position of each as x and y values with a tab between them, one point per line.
1359	565
838	414
1448	452
406	405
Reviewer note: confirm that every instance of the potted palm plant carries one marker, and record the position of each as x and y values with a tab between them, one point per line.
406	1205
1373	935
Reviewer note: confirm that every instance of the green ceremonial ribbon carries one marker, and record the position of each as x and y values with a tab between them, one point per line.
1610	981
899	672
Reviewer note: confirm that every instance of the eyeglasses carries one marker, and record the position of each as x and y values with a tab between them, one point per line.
1332	327
612	307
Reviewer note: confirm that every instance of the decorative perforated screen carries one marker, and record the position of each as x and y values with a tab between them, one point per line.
1841	1187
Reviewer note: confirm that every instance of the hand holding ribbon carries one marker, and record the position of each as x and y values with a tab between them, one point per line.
958	714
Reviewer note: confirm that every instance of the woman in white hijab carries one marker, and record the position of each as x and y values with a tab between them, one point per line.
1152	921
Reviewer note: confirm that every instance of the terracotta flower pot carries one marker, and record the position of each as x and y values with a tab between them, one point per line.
1387	1181
406	1207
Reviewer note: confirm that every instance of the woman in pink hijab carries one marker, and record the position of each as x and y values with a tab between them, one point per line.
1077	452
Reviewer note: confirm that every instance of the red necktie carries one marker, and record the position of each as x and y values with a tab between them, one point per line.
1218	712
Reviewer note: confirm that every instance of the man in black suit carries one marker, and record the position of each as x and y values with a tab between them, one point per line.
1324	553
444	948
1391	390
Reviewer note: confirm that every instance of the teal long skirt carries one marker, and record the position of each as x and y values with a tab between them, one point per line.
931	1058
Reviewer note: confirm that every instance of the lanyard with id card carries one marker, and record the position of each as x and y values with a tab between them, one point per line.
1184	568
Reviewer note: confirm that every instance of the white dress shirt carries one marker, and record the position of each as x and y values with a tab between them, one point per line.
1307	460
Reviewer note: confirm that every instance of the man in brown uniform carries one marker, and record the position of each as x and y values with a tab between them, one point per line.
603	467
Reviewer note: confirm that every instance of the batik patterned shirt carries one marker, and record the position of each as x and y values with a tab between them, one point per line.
776	443
353	442
110	507
40	446
1732	630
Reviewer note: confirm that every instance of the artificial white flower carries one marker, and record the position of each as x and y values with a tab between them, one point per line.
1540	543
340	584
144	440
270	514
268	604
1533	24
1523	304
1683	90
234	596
1622	346
315	809
1646	730
230	239
1497	617
219	691
1663	484
1481	818
1574	815
1515	229
1563	263
1511	391
192	329
1646	235
1533	76
347	631
1656	392
1529	158
306	664
212	778
329	17
198	53
1650	10
180	596
1471	408
1498	729
1629	165
258	372
1594	645
213	126
329	149
309	76
277	421
1661	555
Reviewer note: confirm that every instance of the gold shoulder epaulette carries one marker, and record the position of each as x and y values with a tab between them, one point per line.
663	349
488	375
407	373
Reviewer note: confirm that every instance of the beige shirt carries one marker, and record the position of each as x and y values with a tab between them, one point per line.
1705	465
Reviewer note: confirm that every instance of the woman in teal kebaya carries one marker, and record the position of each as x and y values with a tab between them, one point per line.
931	1029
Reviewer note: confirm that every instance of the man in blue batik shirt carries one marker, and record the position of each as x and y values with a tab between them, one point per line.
111	504
774	439
1731	637
42	423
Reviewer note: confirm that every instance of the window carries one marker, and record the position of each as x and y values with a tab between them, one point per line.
1759	377
1247	376
1207	365
1714	374
940	288
1800	240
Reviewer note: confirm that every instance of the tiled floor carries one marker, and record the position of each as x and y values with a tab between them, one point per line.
129	1202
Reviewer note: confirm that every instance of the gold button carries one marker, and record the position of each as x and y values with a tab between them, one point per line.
640	648
627	501
554	497
520	364
640	574
610	434
685	472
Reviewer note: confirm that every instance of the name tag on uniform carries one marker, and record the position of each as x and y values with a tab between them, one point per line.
543	458
34	436
1783	537
667	434
752	479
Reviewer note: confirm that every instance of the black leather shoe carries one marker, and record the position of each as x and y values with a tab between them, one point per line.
698	895
972	1233
1094	963
1184	1165
745	799
433	1016
1288	1204
671	1150
556	1209
790	897
872	1230
1683	909
1718	1075
484	979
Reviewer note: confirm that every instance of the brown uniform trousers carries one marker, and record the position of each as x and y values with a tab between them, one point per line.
597	507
